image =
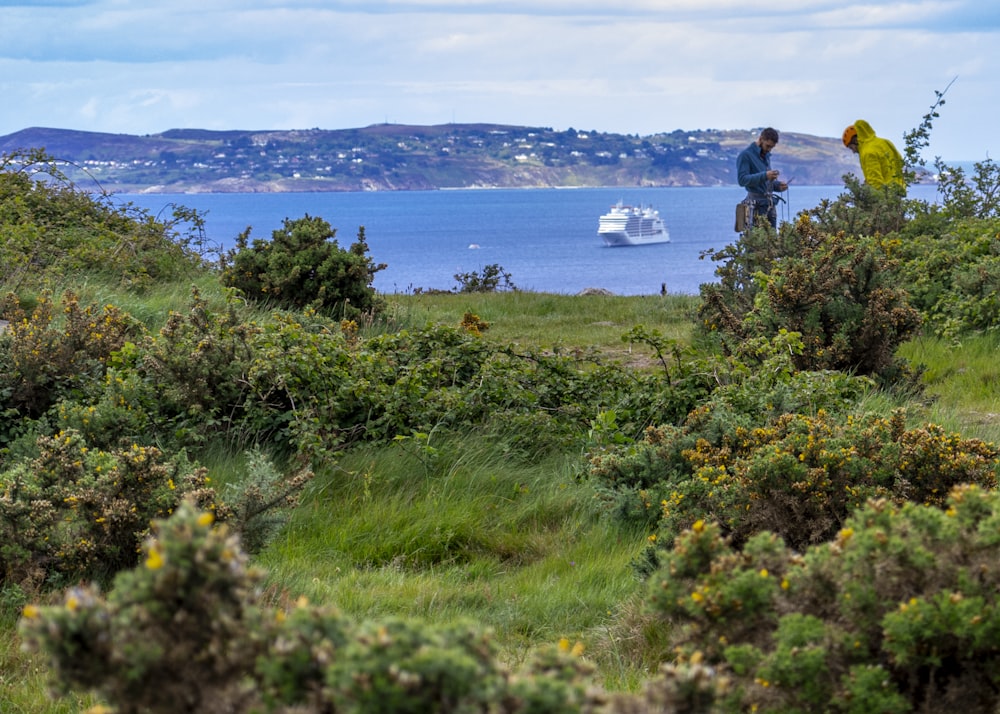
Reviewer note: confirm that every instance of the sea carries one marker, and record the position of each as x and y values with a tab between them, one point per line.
544	239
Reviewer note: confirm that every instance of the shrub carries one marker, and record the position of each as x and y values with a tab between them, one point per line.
952	275
302	266
51	229
75	512
48	358
839	294
259	504
314	390
493	279
196	367
798	476
185	631
172	634
898	612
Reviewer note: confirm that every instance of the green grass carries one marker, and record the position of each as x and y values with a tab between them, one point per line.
546	321
520	548
962	383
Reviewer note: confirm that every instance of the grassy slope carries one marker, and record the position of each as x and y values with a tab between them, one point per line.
464	532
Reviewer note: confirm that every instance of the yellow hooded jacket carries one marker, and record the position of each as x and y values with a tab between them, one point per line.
881	162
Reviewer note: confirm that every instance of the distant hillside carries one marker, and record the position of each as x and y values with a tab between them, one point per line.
389	157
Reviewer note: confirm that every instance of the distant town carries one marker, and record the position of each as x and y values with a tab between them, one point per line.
391	157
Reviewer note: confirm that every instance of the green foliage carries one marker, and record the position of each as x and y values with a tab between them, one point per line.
47	358
75	512
977	196
864	211
916	140
171	636
259	504
839	294
185	631
318	393
952	275
196	368
302	266
493	278
49	228
897	613
798	476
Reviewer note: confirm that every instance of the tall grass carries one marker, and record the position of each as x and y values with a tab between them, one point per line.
962	381
463	533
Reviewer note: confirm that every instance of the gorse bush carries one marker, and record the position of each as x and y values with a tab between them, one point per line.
196	368
302	266
76	512
172	635
48	356
840	294
897	613
799	476
185	631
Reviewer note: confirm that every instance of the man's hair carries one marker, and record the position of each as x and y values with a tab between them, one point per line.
770	134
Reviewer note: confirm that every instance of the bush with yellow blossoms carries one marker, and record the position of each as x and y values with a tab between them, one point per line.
76	512
899	612
798	476
186	630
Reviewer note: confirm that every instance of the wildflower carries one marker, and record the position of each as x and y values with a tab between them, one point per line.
30	612
698	526
155	559
205	519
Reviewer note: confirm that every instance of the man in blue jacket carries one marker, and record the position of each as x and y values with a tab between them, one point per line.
754	173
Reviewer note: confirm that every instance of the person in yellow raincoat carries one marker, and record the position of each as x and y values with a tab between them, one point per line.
881	162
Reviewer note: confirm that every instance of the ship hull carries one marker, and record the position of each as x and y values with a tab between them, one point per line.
622	238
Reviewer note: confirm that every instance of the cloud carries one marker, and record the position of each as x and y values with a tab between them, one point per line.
635	66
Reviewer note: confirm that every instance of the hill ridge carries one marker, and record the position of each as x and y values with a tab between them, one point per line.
386	157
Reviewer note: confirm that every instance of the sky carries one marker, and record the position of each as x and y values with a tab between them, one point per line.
622	66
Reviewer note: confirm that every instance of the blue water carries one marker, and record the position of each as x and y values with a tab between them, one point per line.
546	239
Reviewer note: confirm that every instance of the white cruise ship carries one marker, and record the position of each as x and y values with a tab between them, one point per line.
632	225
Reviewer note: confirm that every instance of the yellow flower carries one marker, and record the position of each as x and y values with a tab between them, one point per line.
698	526
697	597
30	612
155	559
205	519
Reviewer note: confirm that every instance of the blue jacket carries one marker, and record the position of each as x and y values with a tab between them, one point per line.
751	172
